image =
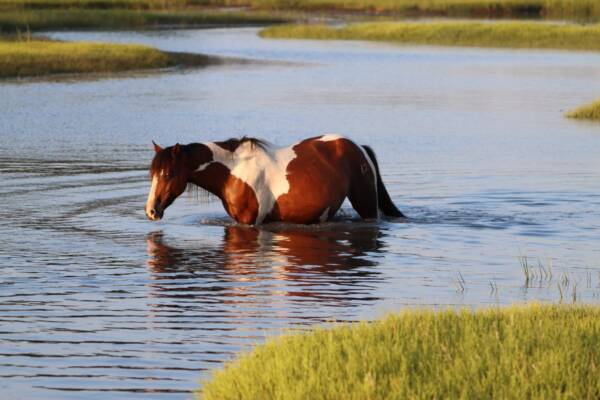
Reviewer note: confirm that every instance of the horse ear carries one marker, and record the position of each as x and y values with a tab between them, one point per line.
176	149
157	148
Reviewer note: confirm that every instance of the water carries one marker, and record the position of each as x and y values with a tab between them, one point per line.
96	301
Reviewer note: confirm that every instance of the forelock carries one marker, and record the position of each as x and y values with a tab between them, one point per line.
162	160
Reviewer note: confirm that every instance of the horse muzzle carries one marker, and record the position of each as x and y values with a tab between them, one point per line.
154	213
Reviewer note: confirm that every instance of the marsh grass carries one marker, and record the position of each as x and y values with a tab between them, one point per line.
556	9
43	57
521	352
120	4
515	34
35	20
536	274
96	4
460	283
563	9
568	282
588	111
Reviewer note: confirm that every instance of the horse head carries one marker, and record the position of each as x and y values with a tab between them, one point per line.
170	173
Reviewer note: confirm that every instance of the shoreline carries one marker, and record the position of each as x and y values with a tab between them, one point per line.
452	33
51	60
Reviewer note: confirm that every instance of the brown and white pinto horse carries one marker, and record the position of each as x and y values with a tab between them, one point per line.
304	183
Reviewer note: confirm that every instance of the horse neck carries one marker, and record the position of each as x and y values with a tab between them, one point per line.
206	171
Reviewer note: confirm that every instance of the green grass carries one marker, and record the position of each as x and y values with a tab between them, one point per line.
566	9
35	20
118	4
588	111
521	352
453	33
40	58
97	4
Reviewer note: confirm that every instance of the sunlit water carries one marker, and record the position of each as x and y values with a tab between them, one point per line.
96	301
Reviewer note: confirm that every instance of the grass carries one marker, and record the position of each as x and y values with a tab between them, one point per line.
35	20
563	9
588	111
120	4
522	352
519	34
39	57
96	4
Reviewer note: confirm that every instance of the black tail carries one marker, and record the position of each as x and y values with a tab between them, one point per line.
387	207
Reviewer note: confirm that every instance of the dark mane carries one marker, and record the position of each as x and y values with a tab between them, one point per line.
233	143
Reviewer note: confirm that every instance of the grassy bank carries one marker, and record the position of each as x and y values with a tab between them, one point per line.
474	8
453	33
35	20
40	58
96	4
562	9
525	352
588	111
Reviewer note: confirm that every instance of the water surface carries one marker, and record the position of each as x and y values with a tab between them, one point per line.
96	301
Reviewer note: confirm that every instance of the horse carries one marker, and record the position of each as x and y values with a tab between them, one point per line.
304	183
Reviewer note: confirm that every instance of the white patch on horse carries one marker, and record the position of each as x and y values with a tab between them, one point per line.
202	167
263	169
330	137
152	194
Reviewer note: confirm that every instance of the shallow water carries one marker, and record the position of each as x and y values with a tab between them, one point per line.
96	301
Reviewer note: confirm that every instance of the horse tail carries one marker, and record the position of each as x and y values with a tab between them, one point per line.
384	202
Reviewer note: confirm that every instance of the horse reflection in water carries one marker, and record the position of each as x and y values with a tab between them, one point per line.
329	265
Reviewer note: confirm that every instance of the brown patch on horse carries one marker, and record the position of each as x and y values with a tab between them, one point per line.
320	177
238	198
240	201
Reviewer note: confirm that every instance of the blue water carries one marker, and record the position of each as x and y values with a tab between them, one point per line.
96	301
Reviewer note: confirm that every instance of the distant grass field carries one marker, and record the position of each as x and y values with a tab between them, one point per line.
588	111
97	4
521	352
476	8
517	34
567	9
39	58
119	4
35	20
562	9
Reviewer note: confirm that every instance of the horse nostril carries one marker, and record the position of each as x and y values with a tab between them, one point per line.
151	213
154	213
